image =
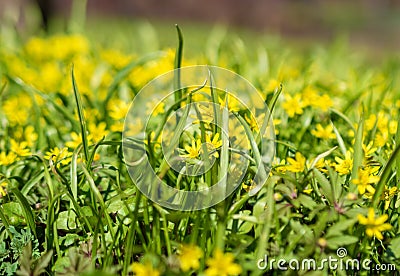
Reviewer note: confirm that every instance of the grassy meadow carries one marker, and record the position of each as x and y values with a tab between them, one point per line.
68	205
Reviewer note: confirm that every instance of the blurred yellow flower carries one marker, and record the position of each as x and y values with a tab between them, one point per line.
30	136
118	109
76	140
7	159
381	138
17	109
374	226
370	122
189	257
272	85
97	131
158	109
323	102
393	127
115	58
144	269
293	105
323	133
58	47
20	149
222	265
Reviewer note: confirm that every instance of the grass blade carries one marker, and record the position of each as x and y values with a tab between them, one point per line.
358	152
385	176
178	64
82	120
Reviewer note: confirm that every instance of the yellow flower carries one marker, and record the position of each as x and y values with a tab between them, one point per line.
280	167
312	98
388	194
370	122
382	121
117	126
61	155
248	186
368	149
144	269
374	225
323	102
20	148
62	47
118	109
189	257
3	192
134	127
324	133
158	109
97	131
143	74
344	166
297	164
7	159
293	105
115	58
214	144
251	121
222	265
17	109
76	140
393	127
320	164
272	85
381	138
276	122
194	150
308	190
234	104
30	136
309	96
365	180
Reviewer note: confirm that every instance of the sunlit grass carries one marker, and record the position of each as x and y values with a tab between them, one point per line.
64	184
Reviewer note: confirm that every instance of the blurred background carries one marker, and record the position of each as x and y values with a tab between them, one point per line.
371	24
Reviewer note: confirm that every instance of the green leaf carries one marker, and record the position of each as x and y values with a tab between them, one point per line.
69	239
325	186
395	247
42	263
13	213
339	227
338	241
306	201
66	220
26	210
